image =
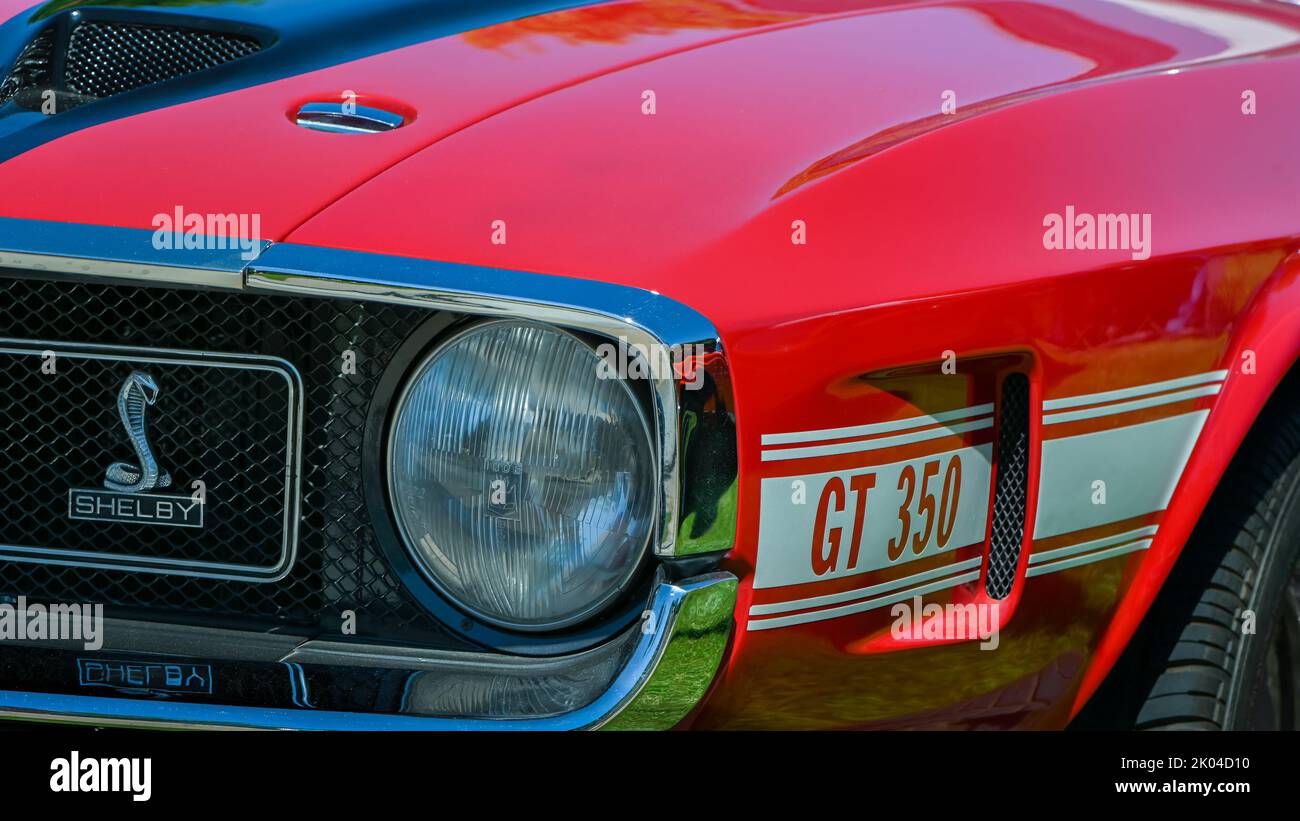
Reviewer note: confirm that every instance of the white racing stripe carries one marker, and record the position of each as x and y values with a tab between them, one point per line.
1108	476
862	607
1131	405
1084	547
1050	561
1087	558
1136	390
863	592
861	445
827	434
1085	481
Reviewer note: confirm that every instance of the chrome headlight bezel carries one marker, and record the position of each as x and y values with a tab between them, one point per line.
692	408
618	613
606	591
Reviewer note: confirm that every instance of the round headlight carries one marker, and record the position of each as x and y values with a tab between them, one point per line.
523	483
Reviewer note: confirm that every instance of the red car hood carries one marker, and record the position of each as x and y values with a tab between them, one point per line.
543	125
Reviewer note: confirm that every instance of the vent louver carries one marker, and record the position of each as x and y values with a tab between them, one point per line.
32	69
102	59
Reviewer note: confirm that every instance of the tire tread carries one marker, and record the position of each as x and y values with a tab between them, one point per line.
1229	551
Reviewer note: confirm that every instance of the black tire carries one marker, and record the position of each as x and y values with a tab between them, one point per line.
1240	560
1204	670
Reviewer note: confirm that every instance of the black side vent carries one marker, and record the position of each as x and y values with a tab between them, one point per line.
1012	460
103	58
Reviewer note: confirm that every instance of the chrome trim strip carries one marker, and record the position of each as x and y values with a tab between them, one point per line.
109	252
336	118
110	269
1136	390
642	318
673	664
100	560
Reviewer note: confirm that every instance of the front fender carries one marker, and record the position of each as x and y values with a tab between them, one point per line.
1264	347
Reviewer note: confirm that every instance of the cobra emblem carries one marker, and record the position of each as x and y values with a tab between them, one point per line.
137	394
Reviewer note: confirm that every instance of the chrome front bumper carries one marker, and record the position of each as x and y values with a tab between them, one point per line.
684	638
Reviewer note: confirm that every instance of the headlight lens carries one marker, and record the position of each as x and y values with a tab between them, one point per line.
523	483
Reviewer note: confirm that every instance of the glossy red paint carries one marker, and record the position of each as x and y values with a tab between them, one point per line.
239	152
924	235
1268	332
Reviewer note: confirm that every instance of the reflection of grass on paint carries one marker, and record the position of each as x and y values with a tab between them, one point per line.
687	669
699	637
688	664
890	686
721	532
802	682
19	722
16	723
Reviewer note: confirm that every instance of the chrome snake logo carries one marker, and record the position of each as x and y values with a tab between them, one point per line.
137	394
128	498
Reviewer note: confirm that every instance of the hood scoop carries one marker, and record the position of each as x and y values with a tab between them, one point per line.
81	60
32	69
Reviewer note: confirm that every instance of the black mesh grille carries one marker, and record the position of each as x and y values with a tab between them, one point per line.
109	58
1012	486
228	427
340	565
106	58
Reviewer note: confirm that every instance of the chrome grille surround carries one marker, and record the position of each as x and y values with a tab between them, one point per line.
677	650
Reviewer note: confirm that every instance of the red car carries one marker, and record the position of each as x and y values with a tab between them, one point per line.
650	363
